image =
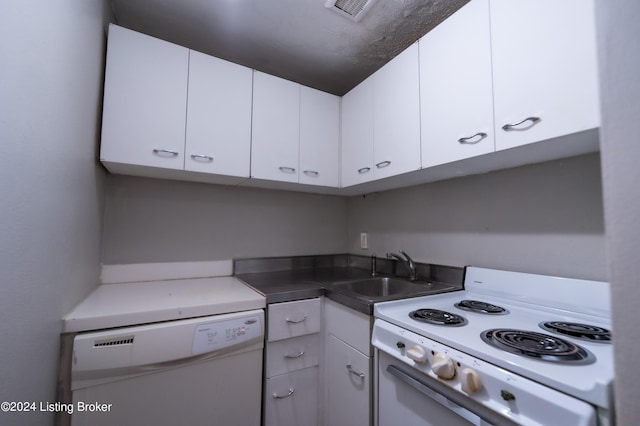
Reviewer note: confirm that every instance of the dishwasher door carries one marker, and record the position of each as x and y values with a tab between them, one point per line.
202	371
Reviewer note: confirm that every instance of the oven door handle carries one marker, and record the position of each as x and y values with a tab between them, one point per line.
466	408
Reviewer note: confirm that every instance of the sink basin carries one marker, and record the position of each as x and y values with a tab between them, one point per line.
387	288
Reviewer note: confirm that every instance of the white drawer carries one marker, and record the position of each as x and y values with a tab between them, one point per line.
291	319
292	399
349	326
294	354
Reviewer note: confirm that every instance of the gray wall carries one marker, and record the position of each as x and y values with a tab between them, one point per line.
149	220
545	218
619	47
50	185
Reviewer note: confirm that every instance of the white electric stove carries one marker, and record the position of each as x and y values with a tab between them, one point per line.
511	348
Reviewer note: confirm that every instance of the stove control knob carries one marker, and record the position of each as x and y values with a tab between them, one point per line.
418	354
470	381
443	367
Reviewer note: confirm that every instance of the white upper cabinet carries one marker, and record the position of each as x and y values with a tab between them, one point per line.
144	100
276	128
396	115
381	122
544	69
357	134
456	98
319	137
218	138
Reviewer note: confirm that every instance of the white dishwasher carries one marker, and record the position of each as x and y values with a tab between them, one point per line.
164	353
199	371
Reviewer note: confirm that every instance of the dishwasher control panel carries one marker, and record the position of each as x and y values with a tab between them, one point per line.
218	335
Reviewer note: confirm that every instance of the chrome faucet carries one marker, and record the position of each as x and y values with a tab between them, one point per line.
407	262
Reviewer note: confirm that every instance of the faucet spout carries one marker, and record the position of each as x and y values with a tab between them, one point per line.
408	263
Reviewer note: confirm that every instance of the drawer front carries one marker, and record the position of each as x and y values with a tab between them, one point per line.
292	399
294	354
349	325
291	319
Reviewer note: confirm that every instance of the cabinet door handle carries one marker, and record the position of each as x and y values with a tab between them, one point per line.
513	126
168	153
298	355
383	164
201	157
290	321
468	140
287	170
354	372
276	396
364	170
311	173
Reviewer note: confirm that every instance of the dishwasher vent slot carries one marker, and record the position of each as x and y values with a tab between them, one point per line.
116	341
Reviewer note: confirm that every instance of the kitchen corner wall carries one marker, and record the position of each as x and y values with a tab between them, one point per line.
544	218
150	220
51	186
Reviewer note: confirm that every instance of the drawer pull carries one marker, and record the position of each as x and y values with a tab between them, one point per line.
513	126
354	372
200	157
468	140
165	153
276	396
294	356
383	164
287	170
290	321
364	170
311	173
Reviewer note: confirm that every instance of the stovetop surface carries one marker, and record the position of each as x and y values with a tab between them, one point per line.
578	379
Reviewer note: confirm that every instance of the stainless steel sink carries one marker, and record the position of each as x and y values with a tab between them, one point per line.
388	288
379	287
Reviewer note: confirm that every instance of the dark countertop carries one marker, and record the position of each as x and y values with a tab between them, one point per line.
286	286
297	284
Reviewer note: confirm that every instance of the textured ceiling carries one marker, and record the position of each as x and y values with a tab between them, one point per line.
299	40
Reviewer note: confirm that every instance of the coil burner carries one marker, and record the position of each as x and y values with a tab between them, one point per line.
590	333
481	307
437	317
537	345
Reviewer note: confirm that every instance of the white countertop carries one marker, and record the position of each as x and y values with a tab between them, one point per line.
124	304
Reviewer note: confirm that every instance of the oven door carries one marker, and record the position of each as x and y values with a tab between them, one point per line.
405	396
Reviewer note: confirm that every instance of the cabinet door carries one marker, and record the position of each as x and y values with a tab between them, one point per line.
145	100
319	137
544	66
276	128
218	116
396	115
456	98
348	384
292	399
357	134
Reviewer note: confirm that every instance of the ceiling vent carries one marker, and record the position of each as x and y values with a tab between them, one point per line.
352	9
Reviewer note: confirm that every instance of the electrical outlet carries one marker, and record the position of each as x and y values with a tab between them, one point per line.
364	244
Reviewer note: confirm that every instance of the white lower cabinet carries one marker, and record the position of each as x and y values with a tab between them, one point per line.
348	366
292	356
348	376
292	399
